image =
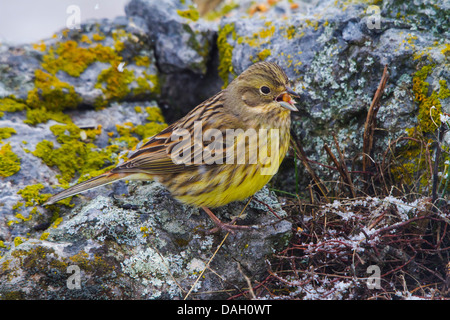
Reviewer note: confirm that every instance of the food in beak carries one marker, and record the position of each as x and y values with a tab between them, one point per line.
285	100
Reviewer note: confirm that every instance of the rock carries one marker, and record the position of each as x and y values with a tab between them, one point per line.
21	213
184	49
180	45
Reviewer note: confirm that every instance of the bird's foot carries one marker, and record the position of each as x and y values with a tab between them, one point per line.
221	226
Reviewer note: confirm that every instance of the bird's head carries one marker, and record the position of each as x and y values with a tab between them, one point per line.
263	86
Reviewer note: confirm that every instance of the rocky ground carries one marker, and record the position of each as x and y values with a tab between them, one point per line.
72	106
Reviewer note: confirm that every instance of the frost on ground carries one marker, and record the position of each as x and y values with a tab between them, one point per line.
368	248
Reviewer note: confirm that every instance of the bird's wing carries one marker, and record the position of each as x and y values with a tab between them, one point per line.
163	153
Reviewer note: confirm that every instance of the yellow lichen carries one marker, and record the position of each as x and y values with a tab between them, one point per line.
44	236
31	195
9	161
226	8
98	37
263	36
131	135
147	84
85	39
142	61
39	46
51	93
413	164
154	114
262	55
225	52
114	84
72	59
290	32
429	104
74	155
18	240
10	105
21	217
191	13
6	132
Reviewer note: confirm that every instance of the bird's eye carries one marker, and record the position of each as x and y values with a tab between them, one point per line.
265	90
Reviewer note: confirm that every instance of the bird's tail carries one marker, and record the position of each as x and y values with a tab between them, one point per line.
95	182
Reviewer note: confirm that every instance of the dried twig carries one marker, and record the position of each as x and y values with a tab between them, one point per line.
343	168
302	156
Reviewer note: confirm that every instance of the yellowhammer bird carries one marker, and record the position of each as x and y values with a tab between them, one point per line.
224	150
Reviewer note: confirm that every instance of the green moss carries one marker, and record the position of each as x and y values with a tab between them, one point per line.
6	132
225	51
191	13
73	156
9	161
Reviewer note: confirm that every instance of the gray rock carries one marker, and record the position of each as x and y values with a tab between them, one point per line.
179	44
34	171
143	246
17	65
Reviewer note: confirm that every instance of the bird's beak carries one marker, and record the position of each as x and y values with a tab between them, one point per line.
285	99
292	92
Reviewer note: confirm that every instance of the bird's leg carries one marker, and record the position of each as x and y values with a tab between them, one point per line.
229	227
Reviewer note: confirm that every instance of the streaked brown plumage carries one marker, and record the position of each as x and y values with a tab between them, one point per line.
257	99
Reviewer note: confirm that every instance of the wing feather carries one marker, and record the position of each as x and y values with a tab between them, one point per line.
156	156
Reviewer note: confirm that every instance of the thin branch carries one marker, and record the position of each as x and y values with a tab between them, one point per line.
369	126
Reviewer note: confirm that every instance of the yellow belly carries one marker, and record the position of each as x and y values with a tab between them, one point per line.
224	188
225	183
